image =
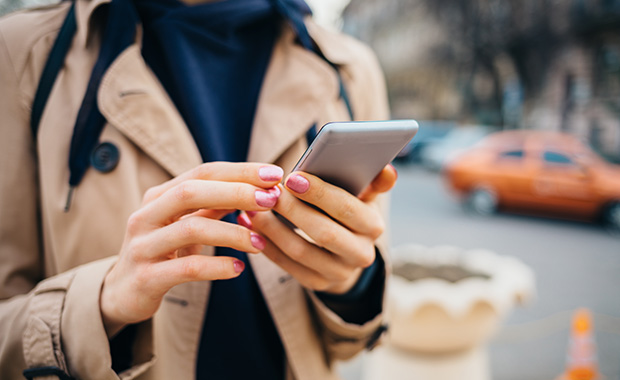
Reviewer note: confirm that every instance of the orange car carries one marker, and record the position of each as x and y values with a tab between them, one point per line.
539	172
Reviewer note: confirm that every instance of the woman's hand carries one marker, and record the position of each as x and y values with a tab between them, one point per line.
165	236
339	246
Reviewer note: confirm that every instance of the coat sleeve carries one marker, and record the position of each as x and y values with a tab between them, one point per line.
54	322
366	88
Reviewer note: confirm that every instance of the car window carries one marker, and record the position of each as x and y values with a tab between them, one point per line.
512	154
557	158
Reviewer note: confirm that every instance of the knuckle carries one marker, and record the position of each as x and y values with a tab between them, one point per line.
319	283
288	206
203	171
150	194
285	206
142	276
248	172
298	251
240	234
367	258
188	228
347	209
342	274
185	191
240	193
218	269
135	222
320	192
377	228
277	259
190	269
327	237
135	250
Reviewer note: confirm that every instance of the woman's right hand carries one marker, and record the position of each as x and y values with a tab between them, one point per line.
164	237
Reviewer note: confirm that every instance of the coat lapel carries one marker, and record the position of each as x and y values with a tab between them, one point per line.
297	85
131	99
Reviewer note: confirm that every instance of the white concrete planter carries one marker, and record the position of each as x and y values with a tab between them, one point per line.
434	316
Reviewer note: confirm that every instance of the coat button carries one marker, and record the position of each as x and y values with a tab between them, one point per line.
105	157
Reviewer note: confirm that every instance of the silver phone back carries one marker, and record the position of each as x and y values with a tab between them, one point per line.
351	154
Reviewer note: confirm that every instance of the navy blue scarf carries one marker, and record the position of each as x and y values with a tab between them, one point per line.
211	58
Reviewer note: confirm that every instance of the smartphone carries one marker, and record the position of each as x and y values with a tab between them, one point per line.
351	154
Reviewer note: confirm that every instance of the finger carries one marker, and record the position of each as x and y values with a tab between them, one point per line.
307	277
383	182
337	203
192	195
195	268
199	231
299	249
257	174
354	249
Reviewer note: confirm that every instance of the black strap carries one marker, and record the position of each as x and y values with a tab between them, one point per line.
303	36
119	33
53	65
32	373
344	95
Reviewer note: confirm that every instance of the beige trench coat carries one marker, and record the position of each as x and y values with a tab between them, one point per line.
52	263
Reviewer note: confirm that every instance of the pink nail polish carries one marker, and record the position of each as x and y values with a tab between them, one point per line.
245	221
239	266
258	241
265	199
298	184
275	191
251	213
270	173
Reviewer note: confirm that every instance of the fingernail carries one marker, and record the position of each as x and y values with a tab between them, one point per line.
243	220
251	213
298	183
239	266
265	199
270	173
275	191
258	241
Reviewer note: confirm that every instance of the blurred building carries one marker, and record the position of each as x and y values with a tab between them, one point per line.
410	46
541	64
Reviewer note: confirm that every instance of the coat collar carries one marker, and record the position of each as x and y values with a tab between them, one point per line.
84	11
133	100
297	86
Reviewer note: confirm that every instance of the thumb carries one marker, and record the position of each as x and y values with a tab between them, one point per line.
382	183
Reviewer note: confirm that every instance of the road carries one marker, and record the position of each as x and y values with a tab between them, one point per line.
576	265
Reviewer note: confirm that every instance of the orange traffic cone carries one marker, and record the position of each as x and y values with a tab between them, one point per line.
581	363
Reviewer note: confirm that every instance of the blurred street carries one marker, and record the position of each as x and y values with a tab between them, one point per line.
576	265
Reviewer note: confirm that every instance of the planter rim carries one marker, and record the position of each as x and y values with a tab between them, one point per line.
510	281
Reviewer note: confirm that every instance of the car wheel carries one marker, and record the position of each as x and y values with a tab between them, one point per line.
482	201
612	216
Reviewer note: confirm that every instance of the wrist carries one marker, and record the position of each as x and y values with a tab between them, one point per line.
111	321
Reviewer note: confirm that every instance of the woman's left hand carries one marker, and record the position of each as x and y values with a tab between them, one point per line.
339	246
